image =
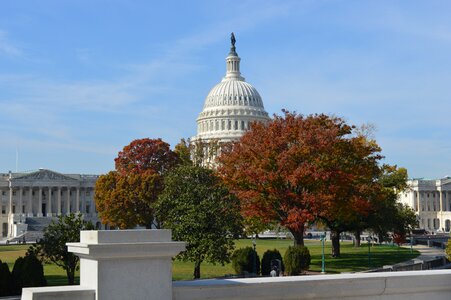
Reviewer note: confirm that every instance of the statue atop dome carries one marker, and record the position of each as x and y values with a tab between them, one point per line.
232	48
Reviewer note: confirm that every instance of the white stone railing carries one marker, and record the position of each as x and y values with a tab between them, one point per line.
136	264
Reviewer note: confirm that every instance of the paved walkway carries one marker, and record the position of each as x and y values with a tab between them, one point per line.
428	253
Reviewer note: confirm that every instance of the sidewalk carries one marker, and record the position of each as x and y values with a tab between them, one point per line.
428	253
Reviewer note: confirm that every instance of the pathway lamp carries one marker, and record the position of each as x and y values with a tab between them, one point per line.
369	251
254	265
323	268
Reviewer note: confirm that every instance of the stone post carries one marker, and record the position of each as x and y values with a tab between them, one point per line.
127	264
58	202
30	202
40	202
49	204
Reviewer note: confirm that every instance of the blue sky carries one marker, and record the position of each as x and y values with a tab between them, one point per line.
81	79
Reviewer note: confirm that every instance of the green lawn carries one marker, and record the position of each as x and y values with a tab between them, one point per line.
351	260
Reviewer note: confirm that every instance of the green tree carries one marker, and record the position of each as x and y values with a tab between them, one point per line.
52	247
200	211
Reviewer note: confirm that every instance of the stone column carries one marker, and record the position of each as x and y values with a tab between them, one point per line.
418	201
441	220
30	202
77	201
58	202
49	204
19	204
83	201
10	204
40	202
68	201
145	256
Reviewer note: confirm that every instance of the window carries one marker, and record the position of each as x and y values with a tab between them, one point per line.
3	209
3	193
87	209
88	193
14	193
14	209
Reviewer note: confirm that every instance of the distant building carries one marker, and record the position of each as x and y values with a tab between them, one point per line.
230	106
431	200
37	197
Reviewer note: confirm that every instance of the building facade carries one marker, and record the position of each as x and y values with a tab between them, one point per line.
431	200
27	197
230	106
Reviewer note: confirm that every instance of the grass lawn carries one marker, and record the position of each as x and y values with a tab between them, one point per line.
351	260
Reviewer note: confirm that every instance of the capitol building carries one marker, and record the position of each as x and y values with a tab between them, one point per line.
431	201
230	107
30	201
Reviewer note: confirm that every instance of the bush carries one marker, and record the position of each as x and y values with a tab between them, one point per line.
5	280
269	256
297	259
243	260
32	272
17	275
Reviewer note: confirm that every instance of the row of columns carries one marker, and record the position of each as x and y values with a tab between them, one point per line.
444	201
222	124
49	203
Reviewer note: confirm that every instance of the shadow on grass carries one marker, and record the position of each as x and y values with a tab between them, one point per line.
358	259
53	280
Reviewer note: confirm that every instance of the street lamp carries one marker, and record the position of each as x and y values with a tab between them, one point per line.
323	268
254	265
369	251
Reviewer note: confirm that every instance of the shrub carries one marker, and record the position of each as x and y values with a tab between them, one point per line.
17	276
269	256
297	259
5	280
243	260
32	272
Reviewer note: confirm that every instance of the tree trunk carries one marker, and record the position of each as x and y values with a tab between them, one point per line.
357	238
298	236
70	276
335	238
197	269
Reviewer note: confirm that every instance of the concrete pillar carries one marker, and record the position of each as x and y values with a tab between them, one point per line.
19	203
83	201
40	202
418	201
77	201
58	202
68	201
30	202
140	260
49	204
10	203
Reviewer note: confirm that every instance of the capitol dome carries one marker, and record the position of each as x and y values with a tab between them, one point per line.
230	106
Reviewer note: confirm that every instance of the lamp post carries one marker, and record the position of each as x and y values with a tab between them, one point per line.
323	268
369	251
254	265
411	243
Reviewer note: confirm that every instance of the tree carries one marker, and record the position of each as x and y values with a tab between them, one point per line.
295	170
146	154
124	197
126	201
201	211
183	149
387	215
297	259
52	247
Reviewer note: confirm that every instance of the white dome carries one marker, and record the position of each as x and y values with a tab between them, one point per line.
230	106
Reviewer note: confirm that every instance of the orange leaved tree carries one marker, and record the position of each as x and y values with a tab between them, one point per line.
124	197
297	169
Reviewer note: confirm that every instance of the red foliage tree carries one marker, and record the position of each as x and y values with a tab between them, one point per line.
125	197
297	169
146	154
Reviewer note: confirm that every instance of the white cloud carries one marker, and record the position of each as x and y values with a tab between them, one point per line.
7	47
